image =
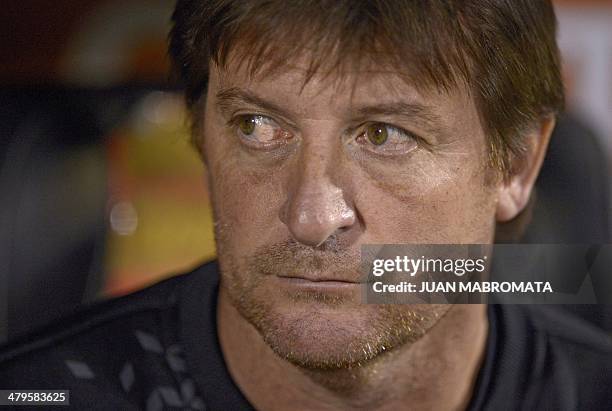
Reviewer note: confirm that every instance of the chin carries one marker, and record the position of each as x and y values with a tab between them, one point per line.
323	337
331	332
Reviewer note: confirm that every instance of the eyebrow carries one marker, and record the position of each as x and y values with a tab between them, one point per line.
417	113
229	98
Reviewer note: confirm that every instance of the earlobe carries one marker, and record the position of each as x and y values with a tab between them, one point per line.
514	193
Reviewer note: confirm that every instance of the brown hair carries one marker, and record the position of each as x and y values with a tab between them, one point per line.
503	51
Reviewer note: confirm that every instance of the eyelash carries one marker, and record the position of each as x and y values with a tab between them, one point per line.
401	130
233	123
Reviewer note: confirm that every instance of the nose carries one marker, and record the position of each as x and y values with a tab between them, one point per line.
316	208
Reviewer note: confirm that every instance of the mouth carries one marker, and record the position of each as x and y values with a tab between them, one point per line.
317	282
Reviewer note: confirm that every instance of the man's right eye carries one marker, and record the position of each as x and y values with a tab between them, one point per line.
259	131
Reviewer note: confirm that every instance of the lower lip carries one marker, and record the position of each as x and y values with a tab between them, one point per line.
317	285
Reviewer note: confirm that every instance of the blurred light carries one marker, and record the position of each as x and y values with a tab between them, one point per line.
159	107
124	218
157	112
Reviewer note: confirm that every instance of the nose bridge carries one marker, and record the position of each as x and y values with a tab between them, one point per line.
316	165
316	206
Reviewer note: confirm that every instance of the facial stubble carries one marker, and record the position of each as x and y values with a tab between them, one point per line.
316	330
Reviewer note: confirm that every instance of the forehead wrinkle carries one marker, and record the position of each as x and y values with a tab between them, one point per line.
357	94
340	77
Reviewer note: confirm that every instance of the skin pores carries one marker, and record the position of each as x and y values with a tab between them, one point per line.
299	183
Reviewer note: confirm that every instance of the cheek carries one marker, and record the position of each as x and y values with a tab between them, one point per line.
433	205
246	202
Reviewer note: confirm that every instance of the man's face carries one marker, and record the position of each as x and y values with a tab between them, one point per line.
303	175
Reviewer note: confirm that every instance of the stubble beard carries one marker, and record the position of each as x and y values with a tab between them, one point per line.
317	332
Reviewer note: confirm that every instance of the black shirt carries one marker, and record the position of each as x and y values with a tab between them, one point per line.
157	349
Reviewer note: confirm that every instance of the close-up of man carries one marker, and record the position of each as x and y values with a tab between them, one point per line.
326	126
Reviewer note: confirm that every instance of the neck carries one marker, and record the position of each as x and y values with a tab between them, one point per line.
436	372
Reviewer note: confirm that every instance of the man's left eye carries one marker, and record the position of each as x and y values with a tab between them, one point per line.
384	138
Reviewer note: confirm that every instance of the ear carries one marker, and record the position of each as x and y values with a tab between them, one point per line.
513	194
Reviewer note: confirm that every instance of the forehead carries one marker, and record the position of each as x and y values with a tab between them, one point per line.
338	90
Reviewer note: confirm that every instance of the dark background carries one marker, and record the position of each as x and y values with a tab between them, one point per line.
101	193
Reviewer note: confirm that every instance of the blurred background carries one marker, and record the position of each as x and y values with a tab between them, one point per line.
102	194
